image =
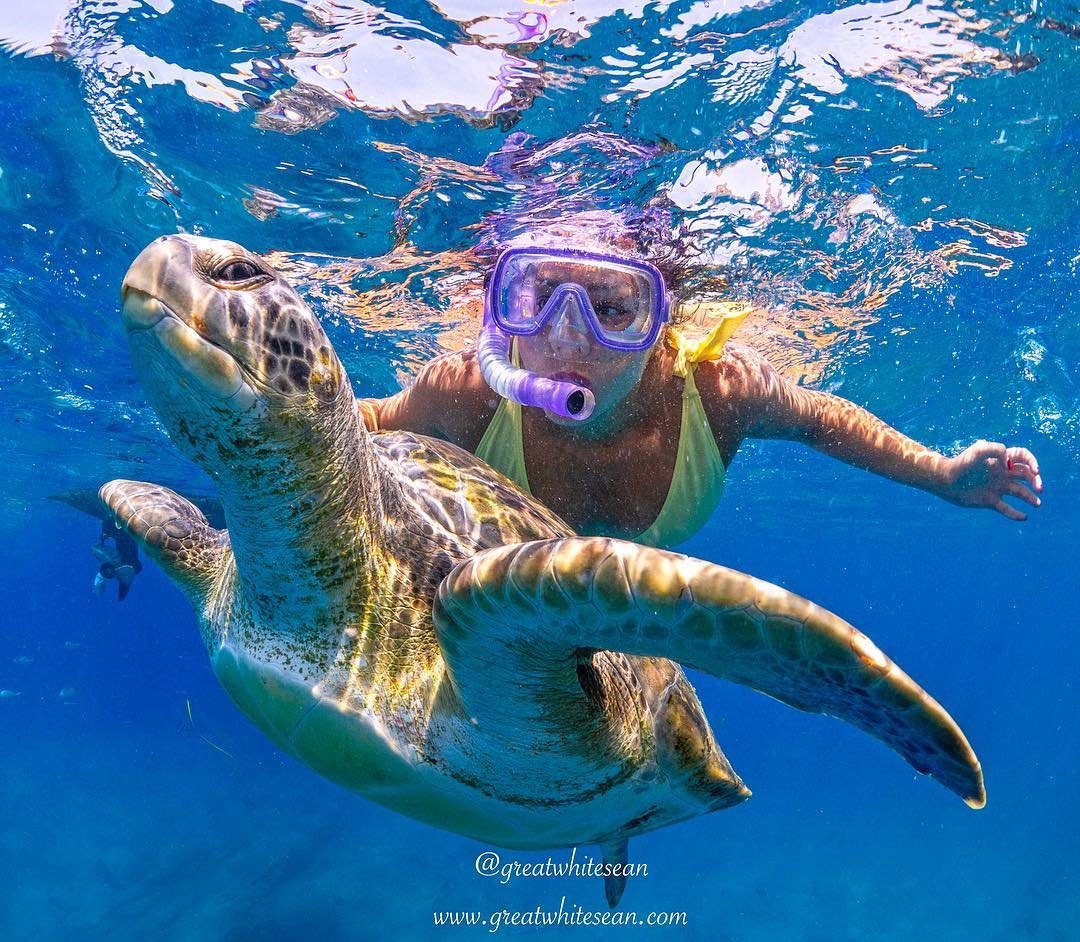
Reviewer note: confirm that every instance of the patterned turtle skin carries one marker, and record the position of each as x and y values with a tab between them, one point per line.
408	623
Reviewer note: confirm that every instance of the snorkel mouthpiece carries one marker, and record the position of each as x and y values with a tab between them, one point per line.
569	400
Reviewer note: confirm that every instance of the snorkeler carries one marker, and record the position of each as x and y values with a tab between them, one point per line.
119	561
629	428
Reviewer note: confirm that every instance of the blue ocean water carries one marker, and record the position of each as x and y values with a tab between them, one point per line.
893	185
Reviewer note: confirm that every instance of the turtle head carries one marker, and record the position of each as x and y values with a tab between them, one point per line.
225	349
247	385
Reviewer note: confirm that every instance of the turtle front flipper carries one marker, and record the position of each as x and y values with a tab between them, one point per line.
172	530
516	617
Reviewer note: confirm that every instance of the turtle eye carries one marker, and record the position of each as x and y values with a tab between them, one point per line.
237	270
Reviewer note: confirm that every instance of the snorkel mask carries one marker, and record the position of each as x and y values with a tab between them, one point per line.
623	302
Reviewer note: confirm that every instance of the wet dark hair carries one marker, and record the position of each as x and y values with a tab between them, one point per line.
607	217
633	233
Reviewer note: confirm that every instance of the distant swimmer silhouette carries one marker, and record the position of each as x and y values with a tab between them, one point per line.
119	557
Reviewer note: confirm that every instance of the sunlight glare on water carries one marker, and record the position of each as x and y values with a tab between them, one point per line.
819	159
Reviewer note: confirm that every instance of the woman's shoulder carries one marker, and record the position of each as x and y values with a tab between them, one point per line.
739	367
453	390
454	370
734	385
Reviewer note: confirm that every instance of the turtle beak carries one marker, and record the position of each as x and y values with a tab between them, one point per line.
146	279
156	305
140	310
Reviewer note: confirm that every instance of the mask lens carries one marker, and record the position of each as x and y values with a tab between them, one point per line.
623	302
518	303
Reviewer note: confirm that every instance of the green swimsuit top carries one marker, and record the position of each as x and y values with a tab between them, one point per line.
698	478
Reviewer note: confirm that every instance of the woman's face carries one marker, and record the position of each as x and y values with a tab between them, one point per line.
567	349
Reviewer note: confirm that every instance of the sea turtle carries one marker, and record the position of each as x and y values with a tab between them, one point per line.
404	620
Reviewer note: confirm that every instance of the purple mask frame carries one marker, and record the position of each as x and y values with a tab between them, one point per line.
660	301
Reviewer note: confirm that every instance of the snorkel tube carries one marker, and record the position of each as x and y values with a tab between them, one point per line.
569	400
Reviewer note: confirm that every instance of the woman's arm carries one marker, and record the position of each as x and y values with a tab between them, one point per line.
980	476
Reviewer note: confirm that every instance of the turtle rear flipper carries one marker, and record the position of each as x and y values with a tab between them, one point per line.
172	530
513	621
616	858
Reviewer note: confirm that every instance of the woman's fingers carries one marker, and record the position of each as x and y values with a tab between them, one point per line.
984	449
1022	455
1024	472
1011	512
1022	493
1023	458
1003	472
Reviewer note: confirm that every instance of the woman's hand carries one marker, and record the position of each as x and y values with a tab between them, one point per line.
985	473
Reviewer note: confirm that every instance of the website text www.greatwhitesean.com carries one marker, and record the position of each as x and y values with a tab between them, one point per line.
489	864
568	914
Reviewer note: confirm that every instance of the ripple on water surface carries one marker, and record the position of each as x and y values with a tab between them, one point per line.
842	169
